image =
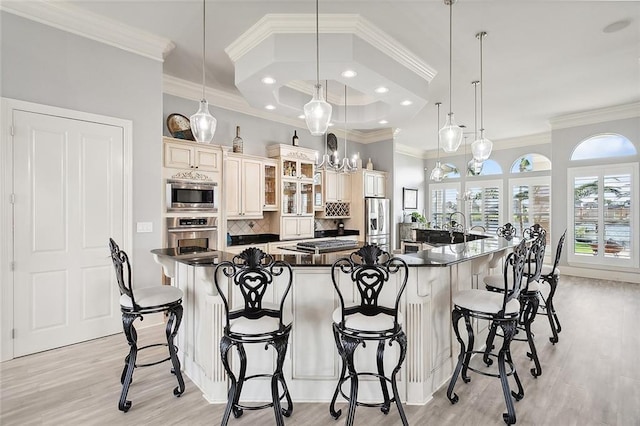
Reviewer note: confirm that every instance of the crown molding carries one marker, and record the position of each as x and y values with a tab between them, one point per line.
411	151
509	143
64	16
618	112
278	23
230	101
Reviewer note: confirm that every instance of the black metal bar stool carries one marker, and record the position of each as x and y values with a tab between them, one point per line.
530	295
370	269
257	321
135	304
551	275
502	310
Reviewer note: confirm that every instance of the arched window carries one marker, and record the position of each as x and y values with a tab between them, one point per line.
531	163
489	167
603	146
450	171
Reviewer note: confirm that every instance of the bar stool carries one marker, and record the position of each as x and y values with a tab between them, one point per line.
529	296
136	304
550	275
355	324
502	310
256	322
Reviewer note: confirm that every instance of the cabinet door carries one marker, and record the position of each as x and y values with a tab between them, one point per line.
288	228
289	197
305	170
330	186
252	188
306	199
369	185
305	227
344	187
380	183
232	187
178	156
318	192
206	159
270	188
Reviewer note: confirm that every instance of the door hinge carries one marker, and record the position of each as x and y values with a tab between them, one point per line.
12	266
13	333
11	131
12	198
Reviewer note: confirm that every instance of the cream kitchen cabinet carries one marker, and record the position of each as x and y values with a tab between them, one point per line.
296	219
337	187
271	190
244	187
296	227
185	155
374	184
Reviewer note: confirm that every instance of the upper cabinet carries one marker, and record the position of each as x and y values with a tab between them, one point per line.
244	185
188	155
318	193
337	187
374	183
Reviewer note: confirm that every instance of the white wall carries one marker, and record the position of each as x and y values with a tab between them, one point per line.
48	66
409	173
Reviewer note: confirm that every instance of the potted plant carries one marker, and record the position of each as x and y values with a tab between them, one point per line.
417	217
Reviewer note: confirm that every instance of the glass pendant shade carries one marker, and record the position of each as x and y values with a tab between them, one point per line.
317	113
437	174
481	148
203	124
451	135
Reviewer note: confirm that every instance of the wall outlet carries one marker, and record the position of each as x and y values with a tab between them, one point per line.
144	226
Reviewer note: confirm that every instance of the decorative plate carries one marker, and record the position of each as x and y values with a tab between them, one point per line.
179	127
332	143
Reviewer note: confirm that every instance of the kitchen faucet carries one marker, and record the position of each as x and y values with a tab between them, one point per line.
461	227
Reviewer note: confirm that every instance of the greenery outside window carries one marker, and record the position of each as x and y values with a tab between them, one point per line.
530	203
483	204
443	201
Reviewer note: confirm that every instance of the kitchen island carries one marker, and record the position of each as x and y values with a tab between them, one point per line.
313	365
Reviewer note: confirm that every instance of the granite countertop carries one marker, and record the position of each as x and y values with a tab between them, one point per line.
241	240
436	257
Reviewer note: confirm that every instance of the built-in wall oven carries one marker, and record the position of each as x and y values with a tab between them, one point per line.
192	234
189	196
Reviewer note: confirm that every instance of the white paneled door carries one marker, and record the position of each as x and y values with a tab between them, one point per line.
69	199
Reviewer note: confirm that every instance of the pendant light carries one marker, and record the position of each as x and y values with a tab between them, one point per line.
327	162
203	124
451	133
317	112
474	167
437	174
346	166
481	148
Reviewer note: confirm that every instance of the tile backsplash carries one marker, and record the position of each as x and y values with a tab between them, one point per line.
263	226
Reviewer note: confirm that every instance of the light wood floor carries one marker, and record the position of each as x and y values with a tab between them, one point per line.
591	377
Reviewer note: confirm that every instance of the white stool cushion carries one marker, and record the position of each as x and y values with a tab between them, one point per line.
262	325
150	297
485	301
497	281
362	322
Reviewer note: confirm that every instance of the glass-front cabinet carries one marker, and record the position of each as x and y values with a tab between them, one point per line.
297	198
270	186
318	201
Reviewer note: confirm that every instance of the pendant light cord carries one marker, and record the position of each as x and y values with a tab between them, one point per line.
481	36
203	43
345	123
475	108
317	48
437	127
450	53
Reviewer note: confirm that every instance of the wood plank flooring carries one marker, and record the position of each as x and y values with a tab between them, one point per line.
591	377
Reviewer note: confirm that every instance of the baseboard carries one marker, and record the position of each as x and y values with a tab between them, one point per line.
602	274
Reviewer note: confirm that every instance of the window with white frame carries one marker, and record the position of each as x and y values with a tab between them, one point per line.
483	202
603	215
444	201
530	203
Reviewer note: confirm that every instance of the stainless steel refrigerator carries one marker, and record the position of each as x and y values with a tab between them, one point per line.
376	218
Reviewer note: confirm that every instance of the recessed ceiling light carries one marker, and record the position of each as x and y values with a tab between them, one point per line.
406	103
616	26
382	122
270	107
349	73
268	80
301	116
381	89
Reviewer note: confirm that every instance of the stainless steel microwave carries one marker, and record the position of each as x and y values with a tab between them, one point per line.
191	196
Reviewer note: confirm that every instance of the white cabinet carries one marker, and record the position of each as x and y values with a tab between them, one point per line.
184	155
337	187
271	189
374	184
243	187
296	227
